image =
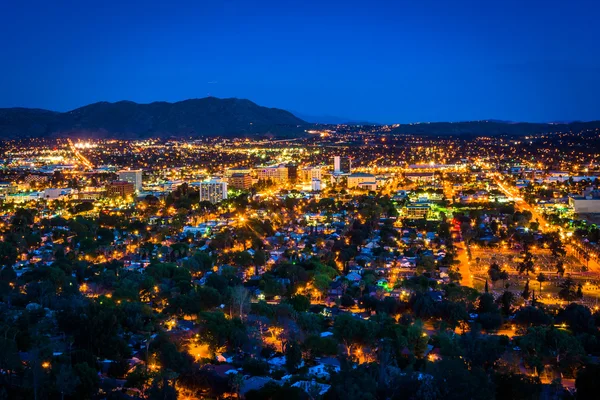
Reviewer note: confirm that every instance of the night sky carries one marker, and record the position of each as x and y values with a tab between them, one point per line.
394	61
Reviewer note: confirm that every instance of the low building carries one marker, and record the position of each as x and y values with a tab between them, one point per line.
588	203
417	210
355	179
370	186
38	179
120	189
274	173
240	181
420	176
57	193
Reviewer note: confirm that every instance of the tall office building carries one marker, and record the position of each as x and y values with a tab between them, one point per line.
213	190
341	165
133	176
292	172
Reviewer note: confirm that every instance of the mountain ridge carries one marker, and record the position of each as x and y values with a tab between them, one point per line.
212	116
208	116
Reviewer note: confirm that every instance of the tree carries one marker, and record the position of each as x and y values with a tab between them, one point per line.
456	381
8	254
532	316
541	278
560	268
218	331
496	273
273	391
526	266
353	383
88	380
489	314
587	382
506	301
161	390
293	356
299	302
235	383
66	380
240	297
351	331
347	301
567	290
578	318
513	386
526	293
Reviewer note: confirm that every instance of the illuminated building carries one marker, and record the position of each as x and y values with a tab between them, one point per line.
316	185
133	176
213	190
311	173
276	173
341	165
120	189
357	179
240	181
589	203
292	172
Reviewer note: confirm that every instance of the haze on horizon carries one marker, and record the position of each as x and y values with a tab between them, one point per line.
384	62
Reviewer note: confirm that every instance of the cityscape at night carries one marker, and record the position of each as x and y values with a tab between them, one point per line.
208	239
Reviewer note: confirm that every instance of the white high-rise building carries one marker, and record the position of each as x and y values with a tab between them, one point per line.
341	165
213	190
132	176
315	185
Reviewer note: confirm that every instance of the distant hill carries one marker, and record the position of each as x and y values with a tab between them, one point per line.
208	116
331	120
491	128
211	116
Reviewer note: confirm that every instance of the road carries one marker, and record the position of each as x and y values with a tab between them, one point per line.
519	202
80	156
592	264
463	266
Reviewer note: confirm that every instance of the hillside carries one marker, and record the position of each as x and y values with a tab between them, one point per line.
208	116
491	128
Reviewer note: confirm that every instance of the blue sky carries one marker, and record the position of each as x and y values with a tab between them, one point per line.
392	61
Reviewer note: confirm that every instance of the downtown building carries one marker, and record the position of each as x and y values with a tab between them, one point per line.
213	190
310	173
341	165
120	189
361	180
133	176
275	173
240	181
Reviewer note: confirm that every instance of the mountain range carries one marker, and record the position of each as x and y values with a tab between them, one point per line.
211	116
207	116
